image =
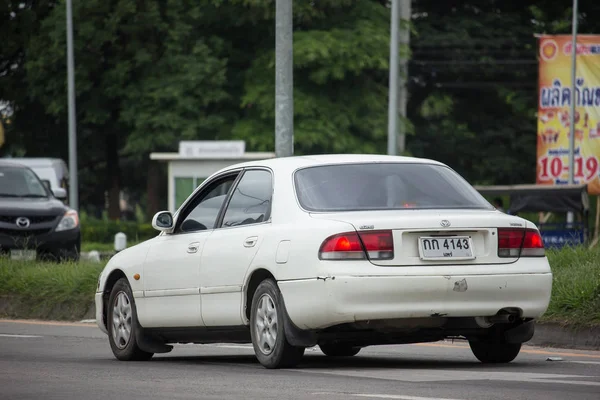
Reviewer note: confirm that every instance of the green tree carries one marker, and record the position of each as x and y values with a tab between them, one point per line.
145	77
149	74
341	53
30	129
473	86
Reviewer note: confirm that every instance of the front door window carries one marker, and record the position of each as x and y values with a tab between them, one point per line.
203	212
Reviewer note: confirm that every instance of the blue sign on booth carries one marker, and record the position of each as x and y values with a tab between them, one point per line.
559	235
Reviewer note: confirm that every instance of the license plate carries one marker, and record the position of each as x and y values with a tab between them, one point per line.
446	248
23	254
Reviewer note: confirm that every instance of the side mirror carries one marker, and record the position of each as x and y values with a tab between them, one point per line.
162	221
60	193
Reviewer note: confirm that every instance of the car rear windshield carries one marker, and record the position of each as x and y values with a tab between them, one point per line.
20	182
384	186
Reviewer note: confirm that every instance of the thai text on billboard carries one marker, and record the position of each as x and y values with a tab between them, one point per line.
554	107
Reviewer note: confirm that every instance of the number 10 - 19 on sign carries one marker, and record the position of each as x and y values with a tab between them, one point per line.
555	167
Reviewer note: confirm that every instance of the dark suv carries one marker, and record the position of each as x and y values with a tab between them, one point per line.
33	222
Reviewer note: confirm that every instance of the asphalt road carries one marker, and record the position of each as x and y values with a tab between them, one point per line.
73	361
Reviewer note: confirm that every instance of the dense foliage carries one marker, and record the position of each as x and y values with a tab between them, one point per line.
150	73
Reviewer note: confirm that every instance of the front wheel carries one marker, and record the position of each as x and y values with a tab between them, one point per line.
123	325
490	352
266	329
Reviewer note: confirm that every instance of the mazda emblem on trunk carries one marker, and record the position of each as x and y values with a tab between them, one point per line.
445	223
23	222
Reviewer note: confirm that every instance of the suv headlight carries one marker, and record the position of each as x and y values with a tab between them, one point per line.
69	221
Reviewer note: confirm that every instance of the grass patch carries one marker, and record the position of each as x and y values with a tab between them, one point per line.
89	246
43	290
102	247
576	286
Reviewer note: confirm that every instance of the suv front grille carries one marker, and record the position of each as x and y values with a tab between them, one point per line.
9	219
24	232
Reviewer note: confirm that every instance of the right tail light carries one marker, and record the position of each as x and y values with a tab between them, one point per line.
520	243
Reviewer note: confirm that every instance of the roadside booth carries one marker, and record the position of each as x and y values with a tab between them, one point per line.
197	160
547	200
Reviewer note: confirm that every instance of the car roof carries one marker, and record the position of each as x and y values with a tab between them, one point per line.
35	161
4	163
295	162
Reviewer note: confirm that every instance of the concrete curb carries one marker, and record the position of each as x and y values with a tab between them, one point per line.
568	337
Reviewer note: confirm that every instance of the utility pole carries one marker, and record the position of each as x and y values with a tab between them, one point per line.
405	17
392	147
401	10
284	79
570	215
573	96
73	185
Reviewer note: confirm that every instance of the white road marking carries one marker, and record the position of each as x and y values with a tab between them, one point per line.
586	362
18	336
88	321
234	346
437	375
382	396
396	396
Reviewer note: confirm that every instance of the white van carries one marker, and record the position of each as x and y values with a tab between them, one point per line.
52	171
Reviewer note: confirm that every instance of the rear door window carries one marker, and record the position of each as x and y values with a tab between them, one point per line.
251	200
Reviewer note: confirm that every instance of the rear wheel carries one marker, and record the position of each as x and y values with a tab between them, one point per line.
266	329
490	352
338	350
123	325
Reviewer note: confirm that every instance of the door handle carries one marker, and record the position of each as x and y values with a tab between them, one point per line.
193	247
251	241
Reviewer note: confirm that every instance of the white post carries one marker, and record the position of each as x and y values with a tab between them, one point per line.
120	241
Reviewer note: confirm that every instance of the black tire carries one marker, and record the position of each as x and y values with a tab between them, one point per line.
124	350
490	352
338	350
282	354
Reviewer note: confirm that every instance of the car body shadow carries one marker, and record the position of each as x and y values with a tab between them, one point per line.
320	361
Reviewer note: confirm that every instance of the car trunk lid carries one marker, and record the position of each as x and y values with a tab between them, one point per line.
435	237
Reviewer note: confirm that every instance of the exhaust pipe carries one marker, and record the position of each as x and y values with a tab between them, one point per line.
502	319
486	322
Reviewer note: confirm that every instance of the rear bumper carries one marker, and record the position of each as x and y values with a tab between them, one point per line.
318	303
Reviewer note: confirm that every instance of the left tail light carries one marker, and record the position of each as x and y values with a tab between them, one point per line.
520	243
374	245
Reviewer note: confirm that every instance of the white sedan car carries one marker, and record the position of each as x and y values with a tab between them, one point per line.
339	251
